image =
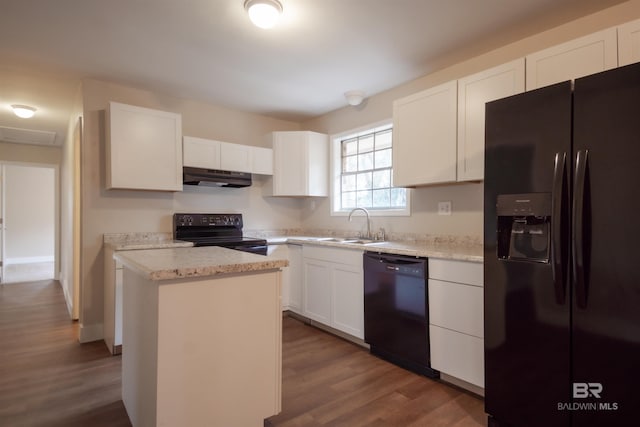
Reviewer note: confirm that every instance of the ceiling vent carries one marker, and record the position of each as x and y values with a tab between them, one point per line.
27	136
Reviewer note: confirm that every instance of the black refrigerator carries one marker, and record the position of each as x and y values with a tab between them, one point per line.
562	254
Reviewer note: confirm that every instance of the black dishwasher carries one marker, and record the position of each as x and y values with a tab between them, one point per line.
396	310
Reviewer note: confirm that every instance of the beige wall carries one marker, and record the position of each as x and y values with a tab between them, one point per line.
467	199
24	153
113	211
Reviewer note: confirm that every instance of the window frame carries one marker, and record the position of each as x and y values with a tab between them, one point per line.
336	171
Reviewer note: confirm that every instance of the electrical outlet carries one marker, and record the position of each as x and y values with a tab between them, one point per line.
444	208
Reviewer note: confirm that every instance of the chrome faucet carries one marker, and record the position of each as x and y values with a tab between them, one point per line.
368	219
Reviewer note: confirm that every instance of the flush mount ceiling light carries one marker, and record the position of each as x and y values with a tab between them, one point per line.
354	97
263	13
23	111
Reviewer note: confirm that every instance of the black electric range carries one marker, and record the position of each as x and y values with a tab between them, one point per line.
216	230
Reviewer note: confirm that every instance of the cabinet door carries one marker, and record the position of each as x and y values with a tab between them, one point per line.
295	279
424	137
457	354
348	299
201	153
262	161
577	58
629	43
235	157
317	290
144	149
290	154
473	93
456	307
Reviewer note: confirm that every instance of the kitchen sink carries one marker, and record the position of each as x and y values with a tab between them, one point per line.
351	240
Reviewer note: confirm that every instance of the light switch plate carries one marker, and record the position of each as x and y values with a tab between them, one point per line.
444	208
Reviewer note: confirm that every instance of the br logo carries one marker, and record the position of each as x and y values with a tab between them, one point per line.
585	390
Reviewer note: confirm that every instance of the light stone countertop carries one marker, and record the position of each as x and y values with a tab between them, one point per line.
461	249
180	263
137	241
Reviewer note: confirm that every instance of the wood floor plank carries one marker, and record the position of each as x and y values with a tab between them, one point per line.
48	379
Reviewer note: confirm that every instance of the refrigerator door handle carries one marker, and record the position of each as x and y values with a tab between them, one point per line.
557	237
578	228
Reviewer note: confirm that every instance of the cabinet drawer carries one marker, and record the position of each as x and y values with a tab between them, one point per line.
456	306
336	255
470	273
458	355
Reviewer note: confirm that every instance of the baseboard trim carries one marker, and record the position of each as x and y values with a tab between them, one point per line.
89	333
462	384
28	260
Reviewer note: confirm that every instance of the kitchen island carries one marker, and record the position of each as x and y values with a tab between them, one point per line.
202	328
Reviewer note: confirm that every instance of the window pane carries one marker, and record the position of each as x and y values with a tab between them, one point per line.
348	200
349	147
364	199
350	164
364	181
365	161
383	159
348	183
383	139
382	179
398	197
365	144
381	198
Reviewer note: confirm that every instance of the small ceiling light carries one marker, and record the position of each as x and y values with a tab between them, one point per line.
354	97
23	111
263	13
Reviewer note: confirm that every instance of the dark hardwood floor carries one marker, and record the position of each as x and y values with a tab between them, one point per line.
48	379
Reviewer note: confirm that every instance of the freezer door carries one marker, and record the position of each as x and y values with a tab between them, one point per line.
606	313
527	357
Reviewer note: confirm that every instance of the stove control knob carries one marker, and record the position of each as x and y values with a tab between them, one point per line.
225	219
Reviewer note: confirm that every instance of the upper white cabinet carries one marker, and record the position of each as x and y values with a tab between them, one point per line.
629	43
424	137
301	164
212	154
473	93
577	58
144	149
201	153
262	161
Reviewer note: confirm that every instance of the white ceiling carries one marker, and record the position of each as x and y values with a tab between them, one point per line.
208	50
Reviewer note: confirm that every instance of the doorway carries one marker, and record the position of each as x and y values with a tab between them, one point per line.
29	222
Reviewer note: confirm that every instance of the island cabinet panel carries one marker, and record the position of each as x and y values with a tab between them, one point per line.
576	58
144	149
204	351
629	43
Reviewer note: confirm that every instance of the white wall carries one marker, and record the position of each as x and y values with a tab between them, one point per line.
119	211
467	199
29	206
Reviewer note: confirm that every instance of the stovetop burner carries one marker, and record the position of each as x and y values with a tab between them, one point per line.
216	230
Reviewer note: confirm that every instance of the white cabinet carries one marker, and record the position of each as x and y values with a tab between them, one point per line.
219	155
301	164
424	137
144	149
629	43
334	288
473	93
577	58
291	276
201	153
456	319
262	161
112	324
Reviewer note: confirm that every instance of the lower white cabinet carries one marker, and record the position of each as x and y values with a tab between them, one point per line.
112	323
291	276
456	319
334	288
